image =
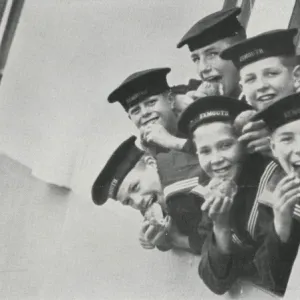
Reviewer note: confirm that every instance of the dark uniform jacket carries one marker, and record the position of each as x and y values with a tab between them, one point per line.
219	271
276	258
180	172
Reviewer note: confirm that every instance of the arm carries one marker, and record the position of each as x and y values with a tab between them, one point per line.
280	237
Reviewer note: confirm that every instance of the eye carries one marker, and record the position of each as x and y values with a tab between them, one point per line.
151	102
134	187
226	145
286	139
249	79
134	110
204	151
195	58
272	73
212	54
126	201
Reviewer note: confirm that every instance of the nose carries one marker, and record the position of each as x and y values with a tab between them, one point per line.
296	146
262	84
203	68
144	110
217	159
138	202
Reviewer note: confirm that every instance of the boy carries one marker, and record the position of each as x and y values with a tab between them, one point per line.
131	178
268	71
235	237
206	40
282	192
268	66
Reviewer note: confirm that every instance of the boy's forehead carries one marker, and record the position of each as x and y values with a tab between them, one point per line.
291	127
145	99
265	63
220	44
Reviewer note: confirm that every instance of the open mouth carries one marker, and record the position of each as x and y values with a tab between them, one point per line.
296	167
266	98
213	79
222	171
153	199
150	121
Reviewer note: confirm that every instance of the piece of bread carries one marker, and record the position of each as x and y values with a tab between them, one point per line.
242	119
155	215
222	187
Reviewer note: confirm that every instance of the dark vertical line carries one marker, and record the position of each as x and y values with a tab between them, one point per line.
9	31
229	4
295	23
2	8
246	12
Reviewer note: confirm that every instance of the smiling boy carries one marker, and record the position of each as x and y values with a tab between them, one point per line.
268	66
282	191
206	40
235	236
131	178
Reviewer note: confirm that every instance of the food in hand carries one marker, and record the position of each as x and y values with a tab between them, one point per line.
222	188
242	119
155	215
211	89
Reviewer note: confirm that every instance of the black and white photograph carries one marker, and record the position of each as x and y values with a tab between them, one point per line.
149	149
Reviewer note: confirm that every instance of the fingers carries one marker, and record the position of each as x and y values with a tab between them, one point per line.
215	207
289	204
253	135
259	145
285	184
226	206
207	203
145	244
145	226
251	126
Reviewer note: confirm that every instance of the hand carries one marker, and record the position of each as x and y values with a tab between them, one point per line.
155	235
180	103
218	209
206	89
155	133
257	137
286	194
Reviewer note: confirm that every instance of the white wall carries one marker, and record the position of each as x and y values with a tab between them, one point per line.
66	58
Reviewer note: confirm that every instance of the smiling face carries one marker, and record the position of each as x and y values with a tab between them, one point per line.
219	152
211	68
266	81
141	187
285	145
154	109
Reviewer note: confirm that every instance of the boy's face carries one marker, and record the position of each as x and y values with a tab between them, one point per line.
219	152
141	187
211	68
154	109
266	81
285	145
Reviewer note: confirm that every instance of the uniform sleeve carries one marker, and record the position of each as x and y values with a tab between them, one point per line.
217	270
189	219
274	259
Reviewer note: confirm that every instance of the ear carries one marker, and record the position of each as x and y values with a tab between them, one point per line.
296	78
272	146
128	116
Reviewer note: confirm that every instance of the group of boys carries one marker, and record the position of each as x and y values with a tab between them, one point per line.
222	158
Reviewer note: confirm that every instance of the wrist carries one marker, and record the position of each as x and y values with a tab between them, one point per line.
223	238
283	231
